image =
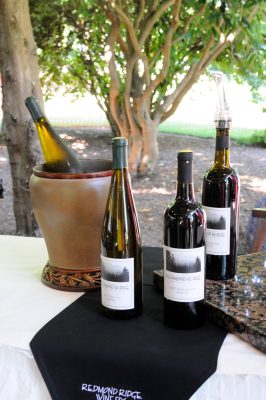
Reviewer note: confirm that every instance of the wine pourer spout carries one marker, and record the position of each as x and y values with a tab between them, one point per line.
223	112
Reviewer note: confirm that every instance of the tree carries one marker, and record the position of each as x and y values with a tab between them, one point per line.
139	58
20	78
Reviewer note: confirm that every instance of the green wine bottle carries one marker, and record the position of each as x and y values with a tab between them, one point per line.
121	253
58	156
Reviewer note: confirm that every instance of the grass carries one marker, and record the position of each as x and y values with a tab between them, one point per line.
241	135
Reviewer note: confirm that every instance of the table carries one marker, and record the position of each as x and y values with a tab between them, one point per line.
26	305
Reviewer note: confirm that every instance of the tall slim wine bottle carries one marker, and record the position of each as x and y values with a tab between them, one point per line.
184	252
121	252
220	198
58	156
1	190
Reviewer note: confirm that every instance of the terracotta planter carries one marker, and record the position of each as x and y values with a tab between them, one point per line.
69	209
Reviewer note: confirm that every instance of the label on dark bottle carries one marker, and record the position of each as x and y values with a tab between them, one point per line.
218	231
184	274
117	283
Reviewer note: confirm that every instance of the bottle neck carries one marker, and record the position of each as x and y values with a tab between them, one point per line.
222	148
185	191
185	187
120	157
120	187
34	108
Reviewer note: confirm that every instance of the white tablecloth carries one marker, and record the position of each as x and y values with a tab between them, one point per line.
26	305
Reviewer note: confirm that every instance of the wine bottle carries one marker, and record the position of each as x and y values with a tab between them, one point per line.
1	189
184	252
58	156
121	252
220	198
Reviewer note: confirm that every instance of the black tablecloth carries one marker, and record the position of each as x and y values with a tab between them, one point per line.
84	355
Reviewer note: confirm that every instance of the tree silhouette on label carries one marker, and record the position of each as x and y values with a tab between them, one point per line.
181	266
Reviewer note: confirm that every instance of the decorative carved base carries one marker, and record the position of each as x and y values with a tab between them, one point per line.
71	280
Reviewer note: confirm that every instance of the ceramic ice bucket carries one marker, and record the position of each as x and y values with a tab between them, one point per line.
69	209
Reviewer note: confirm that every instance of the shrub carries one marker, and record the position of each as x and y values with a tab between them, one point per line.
258	138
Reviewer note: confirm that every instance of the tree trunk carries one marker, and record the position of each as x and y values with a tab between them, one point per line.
149	148
135	140
143	149
20	79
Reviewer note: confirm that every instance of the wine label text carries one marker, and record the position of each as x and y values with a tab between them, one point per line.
117	283
218	230
184	272
110	393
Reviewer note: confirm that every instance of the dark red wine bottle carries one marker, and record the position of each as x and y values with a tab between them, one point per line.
220	198
1	189
184	252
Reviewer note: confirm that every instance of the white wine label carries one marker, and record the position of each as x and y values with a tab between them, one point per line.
218	231
184	274
117	283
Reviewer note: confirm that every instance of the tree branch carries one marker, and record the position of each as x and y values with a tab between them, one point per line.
172	101
128	86
162	112
153	5
200	12
150	22
130	29
166	109
166	52
115	82
134	40
122	43
140	14
228	40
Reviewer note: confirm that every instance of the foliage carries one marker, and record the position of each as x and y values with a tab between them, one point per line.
258	138
72	47
139	58
245	57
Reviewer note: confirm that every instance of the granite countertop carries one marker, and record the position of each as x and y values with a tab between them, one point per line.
238	304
